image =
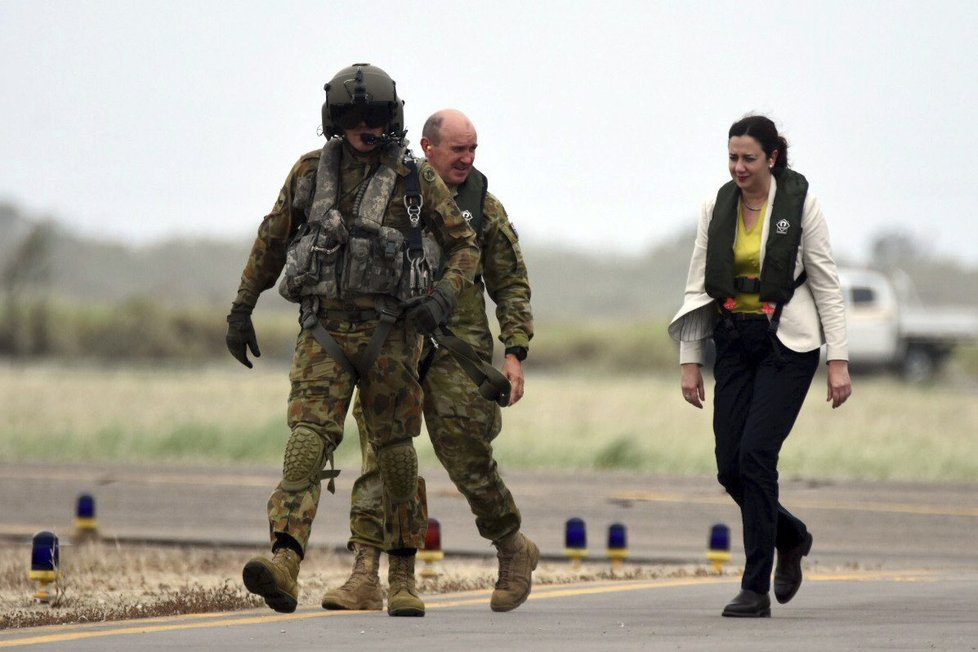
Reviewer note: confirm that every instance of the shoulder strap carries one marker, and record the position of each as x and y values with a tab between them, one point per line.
471	199
720	273
493	386
420	272
783	238
327	180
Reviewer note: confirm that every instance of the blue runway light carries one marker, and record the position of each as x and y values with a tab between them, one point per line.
575	540
719	551
86	528
617	538
45	562
617	545
85	507
720	537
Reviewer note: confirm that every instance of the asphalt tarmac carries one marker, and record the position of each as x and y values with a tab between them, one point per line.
894	565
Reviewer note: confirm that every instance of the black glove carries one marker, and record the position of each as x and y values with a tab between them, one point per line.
241	334
431	311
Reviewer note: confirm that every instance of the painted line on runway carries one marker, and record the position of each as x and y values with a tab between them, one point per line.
547	592
102	478
18	529
551	591
140	629
838	506
873	576
543	593
264	481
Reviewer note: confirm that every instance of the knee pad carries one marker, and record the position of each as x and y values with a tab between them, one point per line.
399	470
305	455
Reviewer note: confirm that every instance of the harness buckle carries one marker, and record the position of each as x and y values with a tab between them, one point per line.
413	203
388	313
420	274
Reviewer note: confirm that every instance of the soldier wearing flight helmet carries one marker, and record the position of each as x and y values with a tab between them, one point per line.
346	230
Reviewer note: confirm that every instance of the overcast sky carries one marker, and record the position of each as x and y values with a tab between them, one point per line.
600	123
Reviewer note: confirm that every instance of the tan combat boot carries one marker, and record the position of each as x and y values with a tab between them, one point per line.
362	591
518	557
275	579
402	597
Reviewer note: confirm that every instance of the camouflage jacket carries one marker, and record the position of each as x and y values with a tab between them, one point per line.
502	274
440	216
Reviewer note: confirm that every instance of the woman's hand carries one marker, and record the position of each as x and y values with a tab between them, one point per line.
840	387
692	384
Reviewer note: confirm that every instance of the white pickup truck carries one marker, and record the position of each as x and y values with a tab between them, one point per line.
890	328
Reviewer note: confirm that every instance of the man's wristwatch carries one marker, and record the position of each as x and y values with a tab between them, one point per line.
518	351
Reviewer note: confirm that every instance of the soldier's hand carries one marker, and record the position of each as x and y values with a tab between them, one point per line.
513	370
241	334
431	311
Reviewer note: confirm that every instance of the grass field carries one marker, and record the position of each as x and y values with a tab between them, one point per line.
225	413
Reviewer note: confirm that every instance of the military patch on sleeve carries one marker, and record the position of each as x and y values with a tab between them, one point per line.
429	174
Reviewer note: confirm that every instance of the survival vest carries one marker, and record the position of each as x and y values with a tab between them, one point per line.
326	259
777	282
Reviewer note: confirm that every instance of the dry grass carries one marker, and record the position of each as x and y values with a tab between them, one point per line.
103	582
86	400
888	430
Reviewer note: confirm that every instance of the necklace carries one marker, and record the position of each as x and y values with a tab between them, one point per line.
750	208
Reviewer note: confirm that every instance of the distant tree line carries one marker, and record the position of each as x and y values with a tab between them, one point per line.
24	322
64	297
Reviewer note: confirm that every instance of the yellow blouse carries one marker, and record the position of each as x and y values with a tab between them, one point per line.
747	258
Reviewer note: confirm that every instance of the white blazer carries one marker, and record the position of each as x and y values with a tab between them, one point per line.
814	316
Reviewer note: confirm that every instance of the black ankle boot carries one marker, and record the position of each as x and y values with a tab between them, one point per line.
749	604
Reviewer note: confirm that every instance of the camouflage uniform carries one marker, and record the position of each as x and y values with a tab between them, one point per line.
460	422
321	388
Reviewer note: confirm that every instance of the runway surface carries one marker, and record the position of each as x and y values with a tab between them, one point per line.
894	566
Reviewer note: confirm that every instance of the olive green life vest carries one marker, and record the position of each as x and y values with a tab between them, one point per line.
471	199
784	236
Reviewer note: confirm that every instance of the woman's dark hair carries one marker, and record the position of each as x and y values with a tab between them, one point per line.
762	129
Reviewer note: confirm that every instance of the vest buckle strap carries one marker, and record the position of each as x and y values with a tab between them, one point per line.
747	285
413	199
748	316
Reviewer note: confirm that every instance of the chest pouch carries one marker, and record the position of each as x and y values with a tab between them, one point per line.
373	263
312	262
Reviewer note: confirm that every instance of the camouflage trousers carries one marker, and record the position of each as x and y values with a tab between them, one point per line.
461	425
319	400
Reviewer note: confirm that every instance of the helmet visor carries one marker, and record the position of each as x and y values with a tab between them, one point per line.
349	116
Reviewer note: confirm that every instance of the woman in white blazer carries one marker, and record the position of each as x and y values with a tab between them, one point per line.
763	284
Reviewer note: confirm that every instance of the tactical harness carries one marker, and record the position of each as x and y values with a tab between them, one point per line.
324	260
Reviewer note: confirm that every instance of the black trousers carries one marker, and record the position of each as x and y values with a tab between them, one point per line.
757	398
